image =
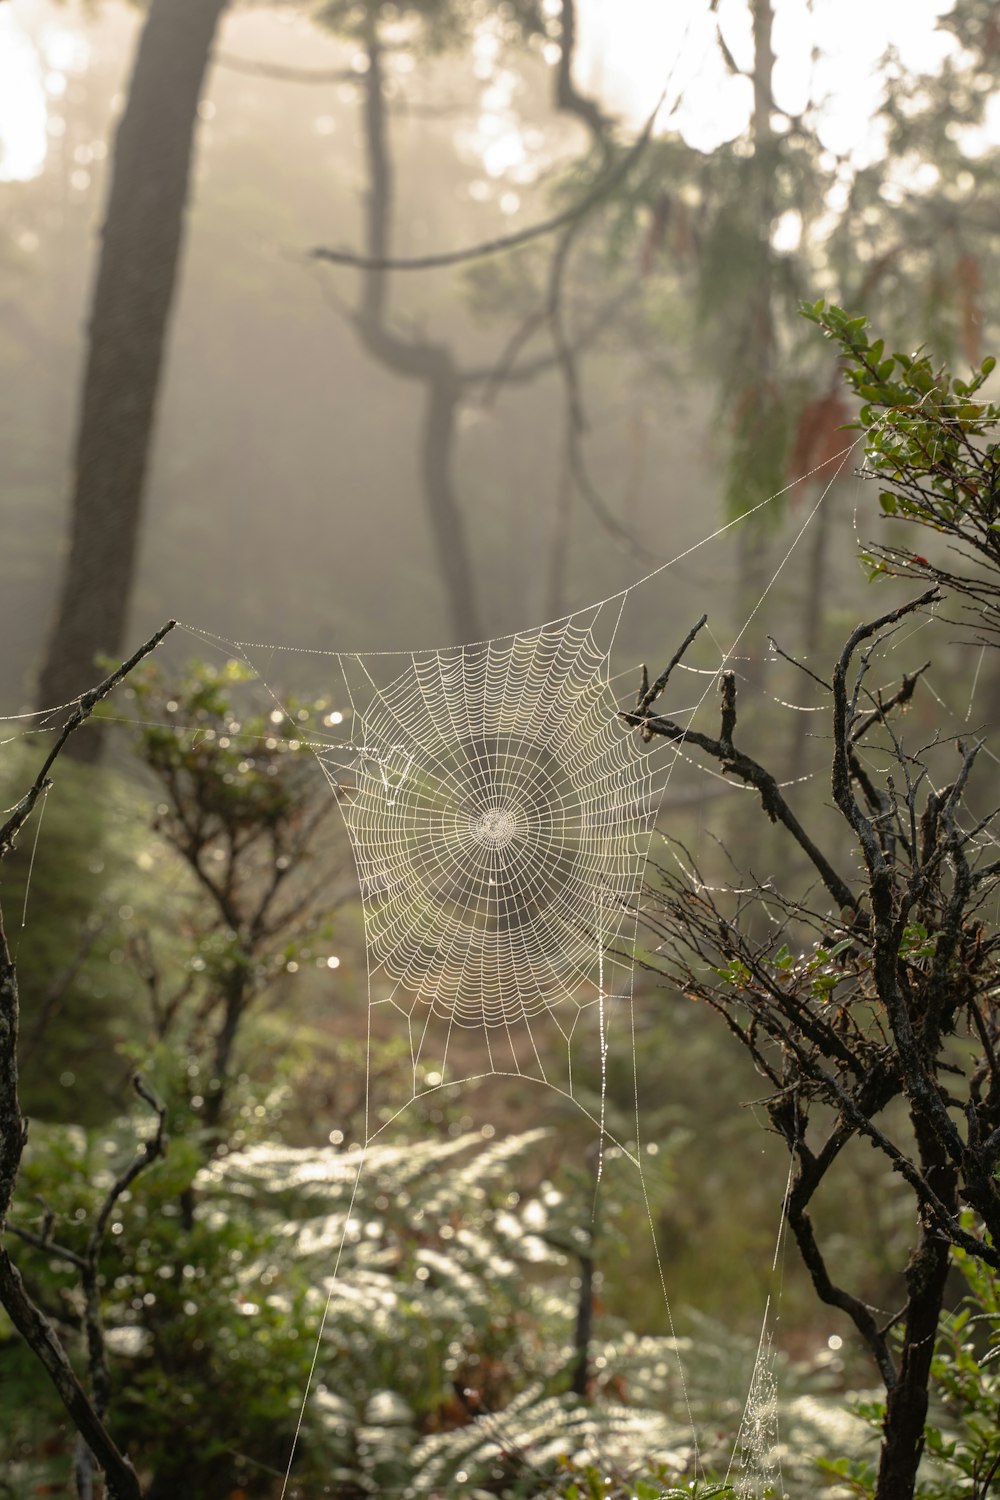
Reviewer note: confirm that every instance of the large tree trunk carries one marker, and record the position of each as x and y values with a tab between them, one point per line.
134	289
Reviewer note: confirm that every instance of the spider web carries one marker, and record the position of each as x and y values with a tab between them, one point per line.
500	812
500	818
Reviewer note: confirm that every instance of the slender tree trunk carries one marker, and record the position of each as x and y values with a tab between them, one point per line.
417	359
443	393
559	543
136	276
235	1008
814	606
755	409
764	153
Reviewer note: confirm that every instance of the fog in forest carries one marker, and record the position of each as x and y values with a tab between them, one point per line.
540	902
283	499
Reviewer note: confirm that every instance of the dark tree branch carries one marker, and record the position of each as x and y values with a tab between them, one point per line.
833	1295
648	695
793	661
150	1150
601	190
85	706
87	1265
31	1323
736	763
900	697
568	97
886	926
41	1338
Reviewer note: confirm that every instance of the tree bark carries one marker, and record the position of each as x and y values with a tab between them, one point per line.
926	1279
133	294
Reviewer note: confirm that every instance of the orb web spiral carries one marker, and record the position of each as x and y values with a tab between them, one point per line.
499	818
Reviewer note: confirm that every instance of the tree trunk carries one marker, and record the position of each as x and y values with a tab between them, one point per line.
136	276
415	359
926	1279
814	606
757	397
235	1008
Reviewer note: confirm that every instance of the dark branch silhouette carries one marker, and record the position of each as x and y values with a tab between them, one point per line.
27	1318
602	189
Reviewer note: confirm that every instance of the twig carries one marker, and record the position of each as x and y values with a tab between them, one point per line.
902	695
27	1318
648	695
793	661
86	704
737	763
42	1339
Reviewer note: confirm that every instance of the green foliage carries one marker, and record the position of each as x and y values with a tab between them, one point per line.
432	27
448	1327
243	772
68	887
251	818
966	1444
928	441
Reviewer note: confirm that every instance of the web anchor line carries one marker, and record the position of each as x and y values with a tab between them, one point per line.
500	813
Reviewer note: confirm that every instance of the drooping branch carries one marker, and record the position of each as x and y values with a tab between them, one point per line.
430	363
599	191
433	364
569	99
860	1314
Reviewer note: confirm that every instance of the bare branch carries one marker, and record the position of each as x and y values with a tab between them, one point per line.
44	1342
280	74
737	763
648	695
601	189
86	704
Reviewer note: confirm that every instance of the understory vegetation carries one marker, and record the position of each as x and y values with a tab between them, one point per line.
472	1283
462	344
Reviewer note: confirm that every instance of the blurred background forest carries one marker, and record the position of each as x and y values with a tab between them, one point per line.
234	408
